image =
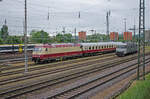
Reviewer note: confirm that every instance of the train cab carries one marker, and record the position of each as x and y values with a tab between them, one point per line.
126	48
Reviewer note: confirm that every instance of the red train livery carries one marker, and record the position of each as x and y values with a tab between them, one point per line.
46	52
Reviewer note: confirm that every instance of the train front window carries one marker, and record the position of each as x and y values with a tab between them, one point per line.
122	46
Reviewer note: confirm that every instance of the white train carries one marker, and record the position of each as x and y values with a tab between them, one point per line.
46	52
126	48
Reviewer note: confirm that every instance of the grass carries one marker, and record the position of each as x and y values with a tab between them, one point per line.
138	90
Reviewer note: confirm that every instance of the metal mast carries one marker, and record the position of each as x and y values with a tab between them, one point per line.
75	35
125	25
107	24
25	38
141	39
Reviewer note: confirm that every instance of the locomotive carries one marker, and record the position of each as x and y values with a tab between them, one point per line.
47	52
126	48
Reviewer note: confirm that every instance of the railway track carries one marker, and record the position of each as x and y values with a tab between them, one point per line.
52	70
20	64
80	89
6	56
68	75
32	67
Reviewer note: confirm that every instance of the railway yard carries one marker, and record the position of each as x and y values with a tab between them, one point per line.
74	49
78	77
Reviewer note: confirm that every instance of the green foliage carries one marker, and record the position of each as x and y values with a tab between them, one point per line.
13	40
140	90
96	38
67	38
63	38
39	37
1	41
4	32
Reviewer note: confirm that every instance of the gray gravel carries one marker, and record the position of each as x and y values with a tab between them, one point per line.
85	80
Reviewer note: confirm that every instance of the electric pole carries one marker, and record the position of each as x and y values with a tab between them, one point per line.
134	31
107	24
25	38
141	40
75	34
125	25
64	30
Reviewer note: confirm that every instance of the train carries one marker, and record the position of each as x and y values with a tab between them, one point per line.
126	48
9	48
47	52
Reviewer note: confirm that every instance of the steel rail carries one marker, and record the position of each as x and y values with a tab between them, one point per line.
58	80
78	93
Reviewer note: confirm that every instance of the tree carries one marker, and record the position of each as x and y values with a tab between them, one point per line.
39	36
1	41
4	32
96	38
13	40
68	38
64	38
59	38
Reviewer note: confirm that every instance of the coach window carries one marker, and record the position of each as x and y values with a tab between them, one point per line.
93	47
90	48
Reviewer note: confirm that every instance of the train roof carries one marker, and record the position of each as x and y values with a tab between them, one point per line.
80	44
57	45
102	43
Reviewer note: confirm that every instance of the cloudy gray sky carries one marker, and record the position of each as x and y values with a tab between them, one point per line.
64	13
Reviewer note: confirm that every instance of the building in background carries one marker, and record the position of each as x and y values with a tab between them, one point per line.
82	36
127	36
147	35
114	36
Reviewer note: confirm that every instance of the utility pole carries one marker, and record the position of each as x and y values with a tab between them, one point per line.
125	27
25	38
134	31
64	30
75	34
141	39
107	24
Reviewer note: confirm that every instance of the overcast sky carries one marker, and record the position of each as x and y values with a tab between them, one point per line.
64	13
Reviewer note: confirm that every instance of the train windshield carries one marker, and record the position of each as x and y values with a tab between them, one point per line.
37	49
122	46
